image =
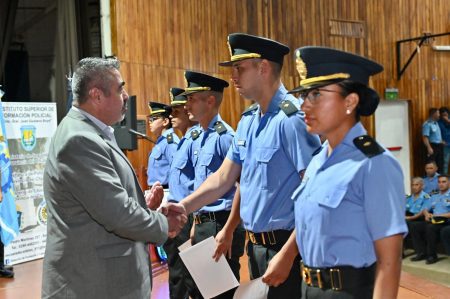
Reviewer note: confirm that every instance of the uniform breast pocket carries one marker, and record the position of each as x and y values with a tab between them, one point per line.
332	198
156	153
205	163
180	165
265	158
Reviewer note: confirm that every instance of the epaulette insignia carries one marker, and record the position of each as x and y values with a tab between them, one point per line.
220	127
288	107
169	138
194	134
252	107
368	146
426	196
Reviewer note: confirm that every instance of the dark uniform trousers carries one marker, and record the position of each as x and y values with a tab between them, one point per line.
179	277
259	256
209	224
445	237
362	292
425	236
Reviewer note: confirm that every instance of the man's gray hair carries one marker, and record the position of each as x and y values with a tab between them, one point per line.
417	179
92	72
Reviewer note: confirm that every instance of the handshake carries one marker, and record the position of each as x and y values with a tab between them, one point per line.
175	212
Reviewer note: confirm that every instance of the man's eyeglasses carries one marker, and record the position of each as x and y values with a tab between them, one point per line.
314	94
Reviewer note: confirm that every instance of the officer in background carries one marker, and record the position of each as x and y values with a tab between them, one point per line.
166	144
416	201
432	138
425	234
430	180
349	212
270	150
205	95
181	182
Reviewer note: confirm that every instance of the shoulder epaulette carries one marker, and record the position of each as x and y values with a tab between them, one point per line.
169	138
288	107
426	196
195	134
220	127
252	107
368	146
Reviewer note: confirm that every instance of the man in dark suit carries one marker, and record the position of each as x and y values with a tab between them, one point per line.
99	224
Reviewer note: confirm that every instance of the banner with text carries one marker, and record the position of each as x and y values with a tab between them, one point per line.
29	127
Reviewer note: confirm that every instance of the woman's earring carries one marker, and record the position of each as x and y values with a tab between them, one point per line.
348	112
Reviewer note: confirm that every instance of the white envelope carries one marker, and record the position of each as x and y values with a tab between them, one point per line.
212	278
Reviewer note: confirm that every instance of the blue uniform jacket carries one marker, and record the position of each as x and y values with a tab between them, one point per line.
181	177
160	158
272	150
209	151
346	202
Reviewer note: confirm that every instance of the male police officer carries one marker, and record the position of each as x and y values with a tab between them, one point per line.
269	152
181	182
205	95
166	144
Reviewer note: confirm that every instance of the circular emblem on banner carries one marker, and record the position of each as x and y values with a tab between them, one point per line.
42	213
28	137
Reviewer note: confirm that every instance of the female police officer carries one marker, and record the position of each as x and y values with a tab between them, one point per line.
349	208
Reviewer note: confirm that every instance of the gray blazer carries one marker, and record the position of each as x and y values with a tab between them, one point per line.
98	225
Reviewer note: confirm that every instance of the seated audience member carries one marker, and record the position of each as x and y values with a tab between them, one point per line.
416	201
445	238
430	181
425	233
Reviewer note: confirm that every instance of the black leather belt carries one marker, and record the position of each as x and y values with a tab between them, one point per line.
269	238
339	278
220	216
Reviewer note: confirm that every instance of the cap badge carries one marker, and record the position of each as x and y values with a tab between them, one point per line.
301	66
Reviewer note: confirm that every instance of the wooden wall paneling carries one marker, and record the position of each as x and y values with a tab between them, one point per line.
157	40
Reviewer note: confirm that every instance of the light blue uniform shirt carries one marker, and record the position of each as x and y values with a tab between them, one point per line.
272	151
160	158
209	151
430	185
439	203
346	202
181	177
431	129
415	205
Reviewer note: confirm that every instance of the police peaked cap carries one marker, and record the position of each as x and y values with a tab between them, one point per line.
245	46
321	66
159	109
176	97
197	82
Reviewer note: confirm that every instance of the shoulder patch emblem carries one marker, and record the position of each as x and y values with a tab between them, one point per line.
169	138
288	107
252	107
220	127
368	146
195	134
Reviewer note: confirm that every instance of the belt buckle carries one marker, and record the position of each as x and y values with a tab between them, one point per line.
212	216
319	279
251	236
274	240
307	276
333	283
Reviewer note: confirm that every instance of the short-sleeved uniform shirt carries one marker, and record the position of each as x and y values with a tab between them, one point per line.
209	151
160	158
181	176
431	129
272	149
345	202
439	203
430	185
415	205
